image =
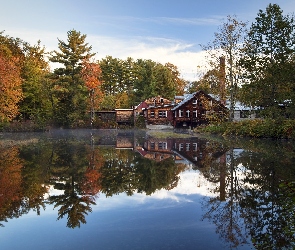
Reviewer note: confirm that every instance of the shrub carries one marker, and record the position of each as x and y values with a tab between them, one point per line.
255	128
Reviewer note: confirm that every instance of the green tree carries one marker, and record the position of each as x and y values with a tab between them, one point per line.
118	80
69	93
209	83
178	82
166	83
153	79
144	80
267	59
36	104
111	74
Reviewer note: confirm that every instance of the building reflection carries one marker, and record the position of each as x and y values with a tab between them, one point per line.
195	152
250	184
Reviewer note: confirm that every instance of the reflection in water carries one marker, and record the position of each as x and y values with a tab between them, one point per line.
251	193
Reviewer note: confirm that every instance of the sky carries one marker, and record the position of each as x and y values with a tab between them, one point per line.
161	30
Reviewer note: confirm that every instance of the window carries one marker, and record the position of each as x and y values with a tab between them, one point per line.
195	146
195	102
162	145
187	113
152	145
195	113
187	146
162	113
152	113
180	146
180	113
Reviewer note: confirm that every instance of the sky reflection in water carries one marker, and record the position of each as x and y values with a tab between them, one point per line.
164	220
207	204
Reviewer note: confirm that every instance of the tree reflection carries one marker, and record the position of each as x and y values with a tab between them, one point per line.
68	167
270	220
72	206
124	172
10	184
79	171
21	189
154	175
258	194
224	209
253	188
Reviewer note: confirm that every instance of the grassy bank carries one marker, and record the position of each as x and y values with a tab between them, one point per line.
162	134
258	128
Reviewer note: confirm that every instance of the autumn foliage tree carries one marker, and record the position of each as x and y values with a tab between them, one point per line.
91	74
10	85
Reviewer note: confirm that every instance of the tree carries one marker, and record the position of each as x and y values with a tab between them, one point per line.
91	74
69	91
153	79
209	83
178	82
10	85
118	80
227	45
36	104
267	59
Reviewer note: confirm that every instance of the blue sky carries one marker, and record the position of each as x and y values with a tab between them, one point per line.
160	30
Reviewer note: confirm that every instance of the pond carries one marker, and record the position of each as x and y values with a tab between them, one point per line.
120	189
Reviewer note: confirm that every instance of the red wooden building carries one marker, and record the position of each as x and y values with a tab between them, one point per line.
196	109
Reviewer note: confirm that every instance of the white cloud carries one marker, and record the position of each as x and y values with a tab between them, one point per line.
181	54
191	182
185	56
214	20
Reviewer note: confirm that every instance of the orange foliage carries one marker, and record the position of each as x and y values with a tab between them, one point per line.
10	87
10	178
91	183
91	73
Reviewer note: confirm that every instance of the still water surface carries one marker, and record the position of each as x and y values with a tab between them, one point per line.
111	189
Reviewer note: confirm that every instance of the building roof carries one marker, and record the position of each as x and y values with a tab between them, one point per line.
187	97
237	106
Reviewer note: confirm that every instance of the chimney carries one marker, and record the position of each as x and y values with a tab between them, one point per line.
222	79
